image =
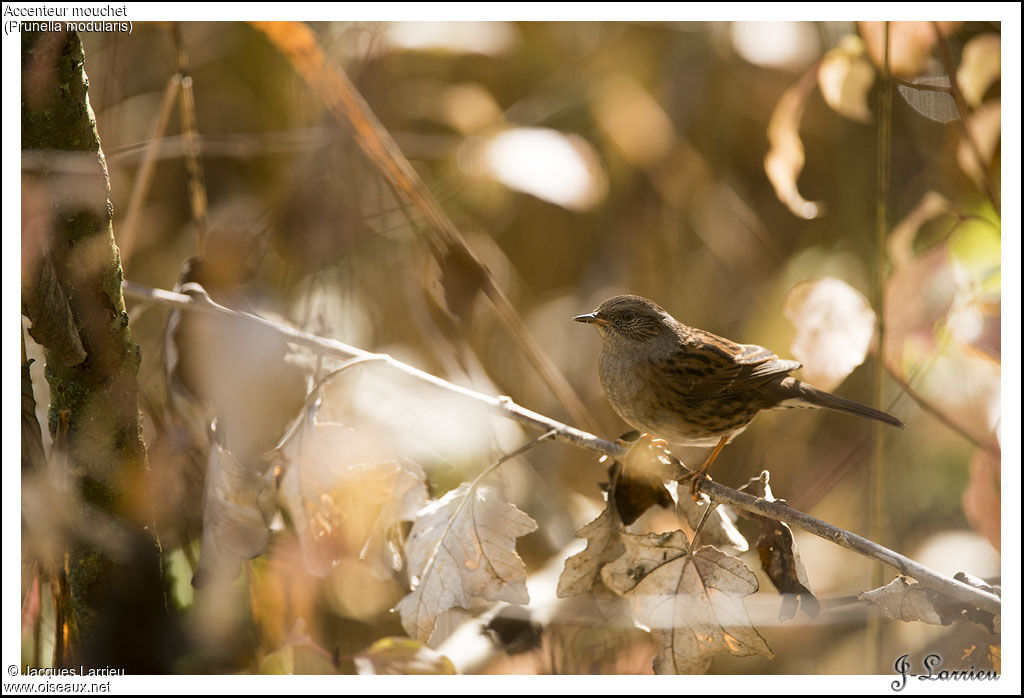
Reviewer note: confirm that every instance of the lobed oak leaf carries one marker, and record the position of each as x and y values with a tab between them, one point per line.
907	600
582	572
461	550
692	603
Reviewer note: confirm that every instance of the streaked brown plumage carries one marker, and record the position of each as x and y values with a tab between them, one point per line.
691	387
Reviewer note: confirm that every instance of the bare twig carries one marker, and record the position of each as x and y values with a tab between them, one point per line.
878	492
198	301
190	135
923	86
126	239
983	443
443	238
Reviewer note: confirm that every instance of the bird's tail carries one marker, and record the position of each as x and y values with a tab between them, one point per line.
799	391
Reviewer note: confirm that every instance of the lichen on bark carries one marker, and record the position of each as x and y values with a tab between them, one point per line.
116	595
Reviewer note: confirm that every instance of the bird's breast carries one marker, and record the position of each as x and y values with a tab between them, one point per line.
657	402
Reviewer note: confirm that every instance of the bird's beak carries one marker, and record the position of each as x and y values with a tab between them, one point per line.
592	318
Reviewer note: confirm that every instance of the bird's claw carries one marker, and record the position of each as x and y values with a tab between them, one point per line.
695	484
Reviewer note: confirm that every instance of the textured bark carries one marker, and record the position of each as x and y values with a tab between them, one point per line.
71	293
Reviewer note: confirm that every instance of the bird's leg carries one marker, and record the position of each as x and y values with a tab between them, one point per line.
702	472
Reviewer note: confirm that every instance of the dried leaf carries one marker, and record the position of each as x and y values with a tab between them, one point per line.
514	631
982	500
834	325
780	558
980	66
985	126
235	514
639	482
462	550
399	655
693	605
910	43
582	572
341	507
785	158
719	529
845	77
53	326
33	455
907	600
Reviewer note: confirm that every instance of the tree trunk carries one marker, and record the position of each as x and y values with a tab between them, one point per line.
117	612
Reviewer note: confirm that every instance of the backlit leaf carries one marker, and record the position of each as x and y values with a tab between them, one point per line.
692	604
461	550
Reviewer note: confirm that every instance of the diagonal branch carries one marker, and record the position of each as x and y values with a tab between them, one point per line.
444	240
195	299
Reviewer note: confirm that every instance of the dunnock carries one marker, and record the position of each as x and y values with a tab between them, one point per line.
691	387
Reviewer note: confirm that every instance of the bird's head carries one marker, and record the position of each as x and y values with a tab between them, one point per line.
632	318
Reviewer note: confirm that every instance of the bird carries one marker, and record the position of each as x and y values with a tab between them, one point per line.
691	387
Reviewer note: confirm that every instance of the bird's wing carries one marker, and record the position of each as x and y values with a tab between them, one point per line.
711	366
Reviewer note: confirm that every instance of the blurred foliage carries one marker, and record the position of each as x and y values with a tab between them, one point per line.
638	166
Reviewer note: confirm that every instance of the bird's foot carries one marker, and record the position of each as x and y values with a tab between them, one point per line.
695	485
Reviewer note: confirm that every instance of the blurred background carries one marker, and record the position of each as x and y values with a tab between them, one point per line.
721	169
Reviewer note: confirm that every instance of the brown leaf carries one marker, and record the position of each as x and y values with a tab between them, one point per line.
833	324
461	550
399	655
514	631
582	572
693	604
785	158
780	558
638	483
845	77
985	127
907	600
53	326
980	66
33	455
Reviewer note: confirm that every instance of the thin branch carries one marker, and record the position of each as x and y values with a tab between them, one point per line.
443	238
924	404
190	135
144	176
198	301
924	86
877	492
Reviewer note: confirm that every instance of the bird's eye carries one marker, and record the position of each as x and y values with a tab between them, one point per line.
628	316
